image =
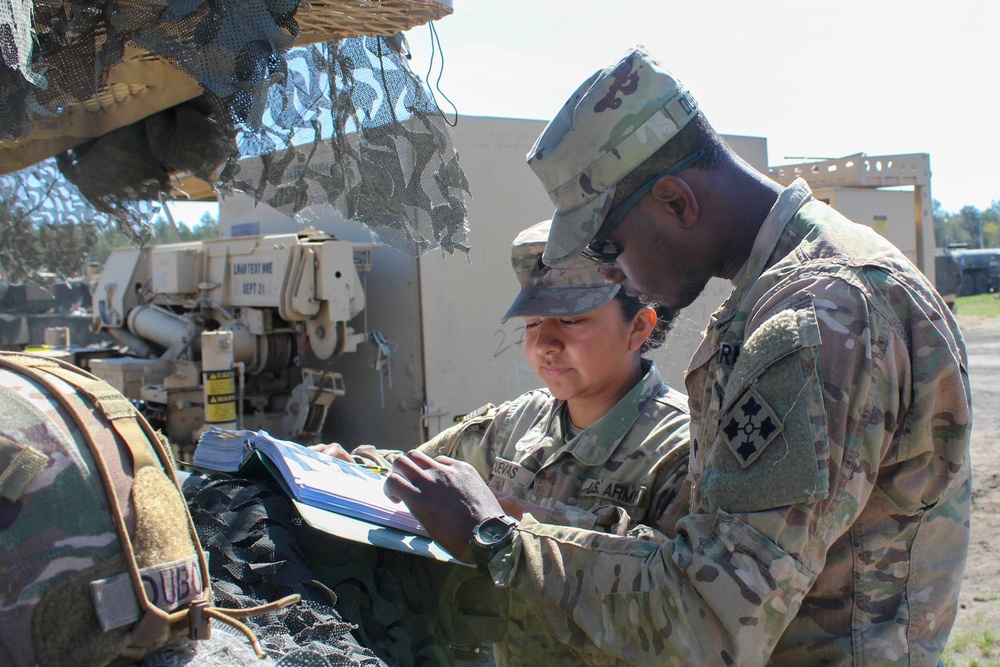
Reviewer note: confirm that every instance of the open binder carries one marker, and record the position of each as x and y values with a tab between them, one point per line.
333	496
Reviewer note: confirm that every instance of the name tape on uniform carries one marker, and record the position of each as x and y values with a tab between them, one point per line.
611	489
168	587
514	472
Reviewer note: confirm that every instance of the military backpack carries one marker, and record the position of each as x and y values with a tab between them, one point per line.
99	559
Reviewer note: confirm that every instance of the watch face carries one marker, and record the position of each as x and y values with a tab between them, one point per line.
493	530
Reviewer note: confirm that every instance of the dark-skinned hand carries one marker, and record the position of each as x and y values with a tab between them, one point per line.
447	496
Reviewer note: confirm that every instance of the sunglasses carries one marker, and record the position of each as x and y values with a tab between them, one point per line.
603	249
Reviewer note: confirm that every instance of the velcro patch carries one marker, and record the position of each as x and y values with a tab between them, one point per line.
749	427
27	464
614	490
515	472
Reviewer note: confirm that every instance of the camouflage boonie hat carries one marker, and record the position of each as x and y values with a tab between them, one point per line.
571	289
612	124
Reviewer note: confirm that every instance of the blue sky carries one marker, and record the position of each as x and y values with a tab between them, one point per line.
816	78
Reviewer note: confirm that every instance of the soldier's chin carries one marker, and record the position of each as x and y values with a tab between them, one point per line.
558	392
689	292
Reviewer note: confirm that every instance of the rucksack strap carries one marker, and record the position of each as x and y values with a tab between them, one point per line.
118	410
110	402
147	450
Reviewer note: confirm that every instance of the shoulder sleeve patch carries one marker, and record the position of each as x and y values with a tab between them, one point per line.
770	446
781	334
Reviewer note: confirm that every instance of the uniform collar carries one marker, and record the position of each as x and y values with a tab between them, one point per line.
785	207
594	444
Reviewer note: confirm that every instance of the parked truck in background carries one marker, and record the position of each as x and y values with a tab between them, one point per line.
967	271
947	275
29	309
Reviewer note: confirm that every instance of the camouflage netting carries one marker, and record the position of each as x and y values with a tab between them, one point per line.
232	48
372	143
245	530
345	123
46	225
259	550
135	163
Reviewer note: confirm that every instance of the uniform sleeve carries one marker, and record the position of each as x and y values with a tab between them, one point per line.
671	494
471	440
764	516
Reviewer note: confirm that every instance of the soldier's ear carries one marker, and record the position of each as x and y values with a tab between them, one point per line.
642	328
676	196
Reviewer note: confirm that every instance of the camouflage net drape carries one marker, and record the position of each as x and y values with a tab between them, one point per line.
232	48
372	143
47	227
344	123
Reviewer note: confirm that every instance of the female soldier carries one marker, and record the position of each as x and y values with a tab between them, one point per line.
604	446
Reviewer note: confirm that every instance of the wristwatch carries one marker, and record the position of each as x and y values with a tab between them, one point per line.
491	537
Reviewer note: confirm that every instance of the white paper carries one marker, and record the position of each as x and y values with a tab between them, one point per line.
313	478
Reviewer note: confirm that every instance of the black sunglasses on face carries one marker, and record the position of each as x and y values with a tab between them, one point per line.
606	251
603	252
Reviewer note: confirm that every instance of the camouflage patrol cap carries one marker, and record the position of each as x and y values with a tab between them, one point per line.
571	289
613	122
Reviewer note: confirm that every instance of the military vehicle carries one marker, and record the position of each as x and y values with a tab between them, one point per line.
53	312
976	269
219	331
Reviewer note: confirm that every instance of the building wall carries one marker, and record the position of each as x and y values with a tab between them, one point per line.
470	357
888	212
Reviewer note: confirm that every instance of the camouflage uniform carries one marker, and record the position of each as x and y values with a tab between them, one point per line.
621	474
829	524
86	537
98	555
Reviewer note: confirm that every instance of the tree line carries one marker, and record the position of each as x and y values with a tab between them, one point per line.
49	232
161	231
975	228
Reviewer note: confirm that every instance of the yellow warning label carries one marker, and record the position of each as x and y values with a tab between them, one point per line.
220	412
220	396
220	382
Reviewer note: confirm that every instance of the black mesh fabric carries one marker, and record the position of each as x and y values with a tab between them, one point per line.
344	123
394	599
46	225
254	558
233	48
135	163
400	608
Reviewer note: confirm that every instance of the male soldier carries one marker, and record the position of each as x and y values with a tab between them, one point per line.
830	413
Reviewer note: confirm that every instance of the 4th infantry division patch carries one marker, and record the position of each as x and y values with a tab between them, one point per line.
749	427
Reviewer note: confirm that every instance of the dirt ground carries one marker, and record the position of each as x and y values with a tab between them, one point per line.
975	640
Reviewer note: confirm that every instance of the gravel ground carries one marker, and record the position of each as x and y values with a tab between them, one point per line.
975	640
